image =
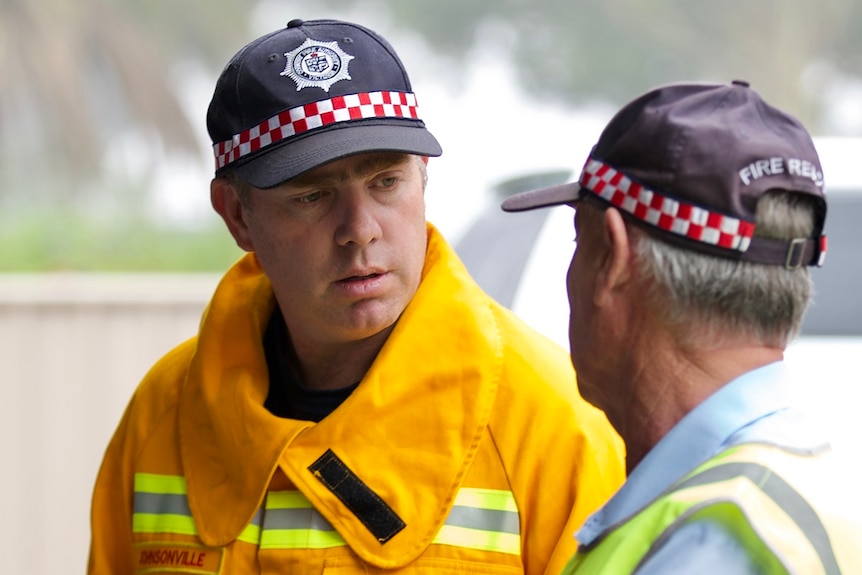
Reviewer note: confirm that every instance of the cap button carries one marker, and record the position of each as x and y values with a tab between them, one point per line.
295	23
742	83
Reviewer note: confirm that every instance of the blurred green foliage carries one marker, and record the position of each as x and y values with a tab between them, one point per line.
56	240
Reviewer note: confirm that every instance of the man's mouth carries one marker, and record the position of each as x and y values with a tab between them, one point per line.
360	278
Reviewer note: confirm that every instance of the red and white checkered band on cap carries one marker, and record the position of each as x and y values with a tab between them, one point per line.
315	115
665	213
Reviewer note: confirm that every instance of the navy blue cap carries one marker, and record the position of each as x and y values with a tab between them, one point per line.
690	161
308	94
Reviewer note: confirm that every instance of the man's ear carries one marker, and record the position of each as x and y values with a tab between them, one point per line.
225	200
615	271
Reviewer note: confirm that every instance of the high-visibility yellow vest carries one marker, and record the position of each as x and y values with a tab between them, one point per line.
783	507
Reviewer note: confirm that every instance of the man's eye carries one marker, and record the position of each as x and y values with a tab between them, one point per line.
309	198
388	181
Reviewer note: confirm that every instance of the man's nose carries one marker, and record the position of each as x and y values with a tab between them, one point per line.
359	223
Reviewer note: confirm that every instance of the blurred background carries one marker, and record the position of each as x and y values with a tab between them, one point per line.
105	160
110	249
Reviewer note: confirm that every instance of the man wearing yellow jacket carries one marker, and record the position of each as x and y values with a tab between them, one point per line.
353	402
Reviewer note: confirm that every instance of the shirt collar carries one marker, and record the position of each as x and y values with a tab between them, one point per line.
717	422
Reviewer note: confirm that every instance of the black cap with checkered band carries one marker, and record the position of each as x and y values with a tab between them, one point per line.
308	94
690	162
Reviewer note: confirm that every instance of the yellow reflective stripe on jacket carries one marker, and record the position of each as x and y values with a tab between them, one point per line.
164	484
291	522
483	519
161	506
251	533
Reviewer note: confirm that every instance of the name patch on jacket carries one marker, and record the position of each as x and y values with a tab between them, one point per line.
177	558
368	507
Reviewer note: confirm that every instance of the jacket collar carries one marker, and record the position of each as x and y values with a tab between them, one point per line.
413	457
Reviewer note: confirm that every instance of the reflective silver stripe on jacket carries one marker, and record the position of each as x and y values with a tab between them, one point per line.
483	519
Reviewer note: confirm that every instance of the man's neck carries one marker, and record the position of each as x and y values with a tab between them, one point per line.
689	377
336	366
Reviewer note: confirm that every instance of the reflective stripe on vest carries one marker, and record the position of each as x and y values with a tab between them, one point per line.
741	490
793	505
482	519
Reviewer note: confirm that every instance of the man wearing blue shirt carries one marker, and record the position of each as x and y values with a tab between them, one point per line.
697	215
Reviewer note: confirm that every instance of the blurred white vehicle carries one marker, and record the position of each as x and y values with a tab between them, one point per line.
521	259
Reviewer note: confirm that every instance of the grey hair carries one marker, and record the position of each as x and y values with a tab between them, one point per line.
423	169
718	296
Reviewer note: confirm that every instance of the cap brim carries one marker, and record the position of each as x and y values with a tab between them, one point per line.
315	149
542	198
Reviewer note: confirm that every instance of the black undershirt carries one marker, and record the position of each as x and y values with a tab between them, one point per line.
287	396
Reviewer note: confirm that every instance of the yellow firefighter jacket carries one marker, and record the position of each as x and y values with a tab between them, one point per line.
465	448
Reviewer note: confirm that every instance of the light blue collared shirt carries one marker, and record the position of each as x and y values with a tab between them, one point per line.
755	407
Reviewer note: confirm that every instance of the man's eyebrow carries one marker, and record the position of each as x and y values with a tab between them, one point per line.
379	162
369	165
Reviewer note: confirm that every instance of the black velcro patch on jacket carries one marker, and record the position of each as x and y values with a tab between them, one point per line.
372	511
